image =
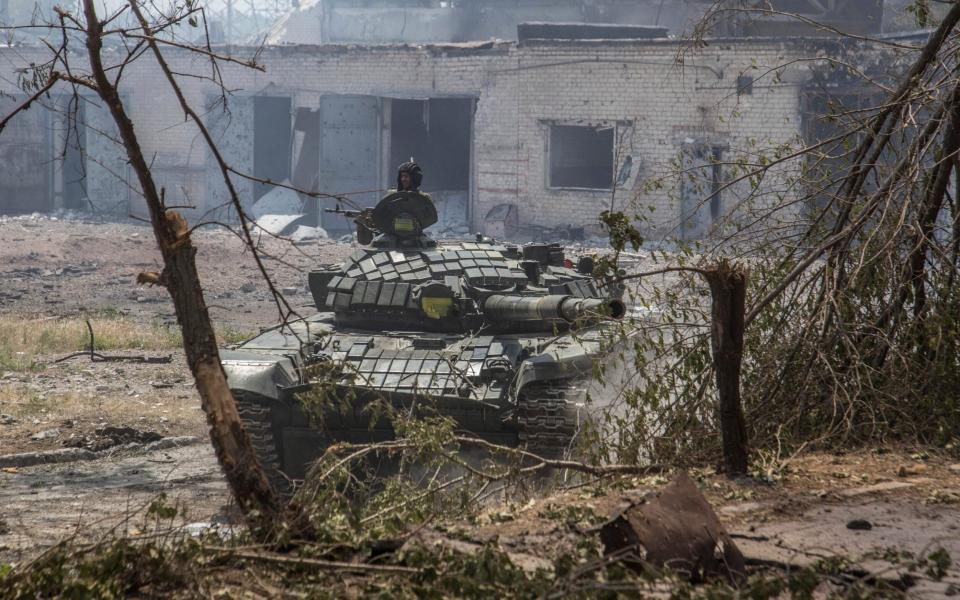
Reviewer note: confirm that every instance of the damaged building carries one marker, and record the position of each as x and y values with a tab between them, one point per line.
430	21
542	132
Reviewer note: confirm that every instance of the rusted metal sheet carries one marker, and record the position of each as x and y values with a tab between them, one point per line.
676	529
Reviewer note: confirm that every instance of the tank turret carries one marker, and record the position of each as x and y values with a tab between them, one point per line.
402	279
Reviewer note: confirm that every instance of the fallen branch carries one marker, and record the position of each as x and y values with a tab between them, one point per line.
316	562
358	450
565	464
97	357
416	498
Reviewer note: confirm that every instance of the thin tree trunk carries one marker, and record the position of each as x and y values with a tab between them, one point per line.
728	285
244	475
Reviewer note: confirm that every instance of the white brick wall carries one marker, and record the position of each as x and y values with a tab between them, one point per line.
517	88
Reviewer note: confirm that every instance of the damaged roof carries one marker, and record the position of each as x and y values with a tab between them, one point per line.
588	31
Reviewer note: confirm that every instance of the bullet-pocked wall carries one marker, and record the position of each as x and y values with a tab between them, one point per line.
537	124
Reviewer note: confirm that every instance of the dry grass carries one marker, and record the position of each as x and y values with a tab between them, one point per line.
22	340
51	335
23	401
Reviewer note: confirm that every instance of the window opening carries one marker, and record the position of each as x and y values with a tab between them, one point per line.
581	157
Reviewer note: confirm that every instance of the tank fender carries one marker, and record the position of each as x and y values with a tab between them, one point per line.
263	375
553	366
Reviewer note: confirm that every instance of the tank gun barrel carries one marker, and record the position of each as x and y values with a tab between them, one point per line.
500	307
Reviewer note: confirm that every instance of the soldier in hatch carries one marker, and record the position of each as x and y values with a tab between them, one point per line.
409	178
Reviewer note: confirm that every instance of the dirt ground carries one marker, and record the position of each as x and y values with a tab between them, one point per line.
67	269
67	266
57	269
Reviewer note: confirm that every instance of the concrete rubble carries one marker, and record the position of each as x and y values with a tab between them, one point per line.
280	213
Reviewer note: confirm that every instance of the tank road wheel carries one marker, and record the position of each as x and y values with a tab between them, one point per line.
257	418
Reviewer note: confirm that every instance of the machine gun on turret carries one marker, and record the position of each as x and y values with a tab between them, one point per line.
350	214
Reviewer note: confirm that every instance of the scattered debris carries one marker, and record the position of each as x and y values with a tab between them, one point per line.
907	471
45	435
7	419
278	201
859	525
27	459
108	437
677	528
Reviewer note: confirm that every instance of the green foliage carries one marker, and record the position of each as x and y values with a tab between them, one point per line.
920	9
114	569
621	230
937	564
487	573
159	508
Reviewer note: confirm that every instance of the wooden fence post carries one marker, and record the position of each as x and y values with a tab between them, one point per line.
728	285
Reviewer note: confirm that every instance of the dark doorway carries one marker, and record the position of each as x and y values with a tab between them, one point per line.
74	159
436	133
701	186
271	141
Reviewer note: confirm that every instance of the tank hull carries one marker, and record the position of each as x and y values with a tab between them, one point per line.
309	384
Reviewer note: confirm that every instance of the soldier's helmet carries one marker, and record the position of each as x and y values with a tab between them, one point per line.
414	171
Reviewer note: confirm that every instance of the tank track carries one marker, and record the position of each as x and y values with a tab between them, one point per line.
256	415
549	419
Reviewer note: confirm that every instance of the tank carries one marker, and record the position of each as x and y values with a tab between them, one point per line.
498	337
